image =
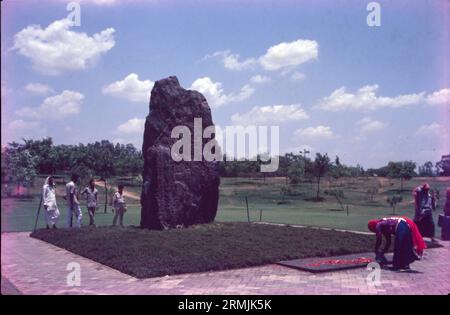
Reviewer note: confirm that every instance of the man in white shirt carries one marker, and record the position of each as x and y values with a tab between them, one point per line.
73	205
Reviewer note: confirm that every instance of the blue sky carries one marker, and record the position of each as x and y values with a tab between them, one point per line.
315	68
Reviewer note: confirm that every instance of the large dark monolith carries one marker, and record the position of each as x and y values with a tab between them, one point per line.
176	194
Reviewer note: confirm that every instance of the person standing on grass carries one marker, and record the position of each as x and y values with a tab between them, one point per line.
119	206
444	219
49	201
408	243
91	194
424	207
73	205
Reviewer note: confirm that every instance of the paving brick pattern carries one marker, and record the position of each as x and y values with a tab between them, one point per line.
36	267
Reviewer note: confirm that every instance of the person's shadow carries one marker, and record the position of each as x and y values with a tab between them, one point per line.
386	264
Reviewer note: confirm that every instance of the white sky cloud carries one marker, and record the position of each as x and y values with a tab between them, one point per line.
285	55
130	88
231	61
23	129
56	107
38	88
22	125
315	133
57	49
288	55
134	125
440	97
258	79
433	129
298	76
365	99
215	94
368	124
276	114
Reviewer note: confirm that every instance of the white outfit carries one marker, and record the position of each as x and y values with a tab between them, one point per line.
71	189
50	206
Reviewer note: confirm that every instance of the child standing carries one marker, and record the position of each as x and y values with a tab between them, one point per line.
91	194
119	205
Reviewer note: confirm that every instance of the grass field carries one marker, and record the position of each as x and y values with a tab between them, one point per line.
289	208
216	246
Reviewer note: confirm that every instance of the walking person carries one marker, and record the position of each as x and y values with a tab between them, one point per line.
73	205
424	207
49	201
119	206
91	194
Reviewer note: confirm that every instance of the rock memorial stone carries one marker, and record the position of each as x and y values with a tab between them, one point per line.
176	193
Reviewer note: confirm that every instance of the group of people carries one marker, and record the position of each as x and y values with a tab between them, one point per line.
408	234
90	193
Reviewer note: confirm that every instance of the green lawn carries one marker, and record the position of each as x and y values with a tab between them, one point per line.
216	246
19	215
293	209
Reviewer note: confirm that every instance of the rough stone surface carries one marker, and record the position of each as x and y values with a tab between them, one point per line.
176	194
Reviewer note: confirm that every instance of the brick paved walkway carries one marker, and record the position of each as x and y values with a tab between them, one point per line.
35	267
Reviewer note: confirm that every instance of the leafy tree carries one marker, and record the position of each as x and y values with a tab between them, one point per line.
21	164
443	166
338	170
426	169
127	160
295	166
45	153
382	171
403	170
319	168
356	171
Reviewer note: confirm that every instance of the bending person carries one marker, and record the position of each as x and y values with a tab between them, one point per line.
408	243
49	200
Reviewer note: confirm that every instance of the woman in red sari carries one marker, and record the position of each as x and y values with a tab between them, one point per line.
408	243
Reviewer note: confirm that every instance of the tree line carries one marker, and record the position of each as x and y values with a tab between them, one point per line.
299	166
21	162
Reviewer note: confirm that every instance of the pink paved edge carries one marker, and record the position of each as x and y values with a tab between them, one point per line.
36	267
